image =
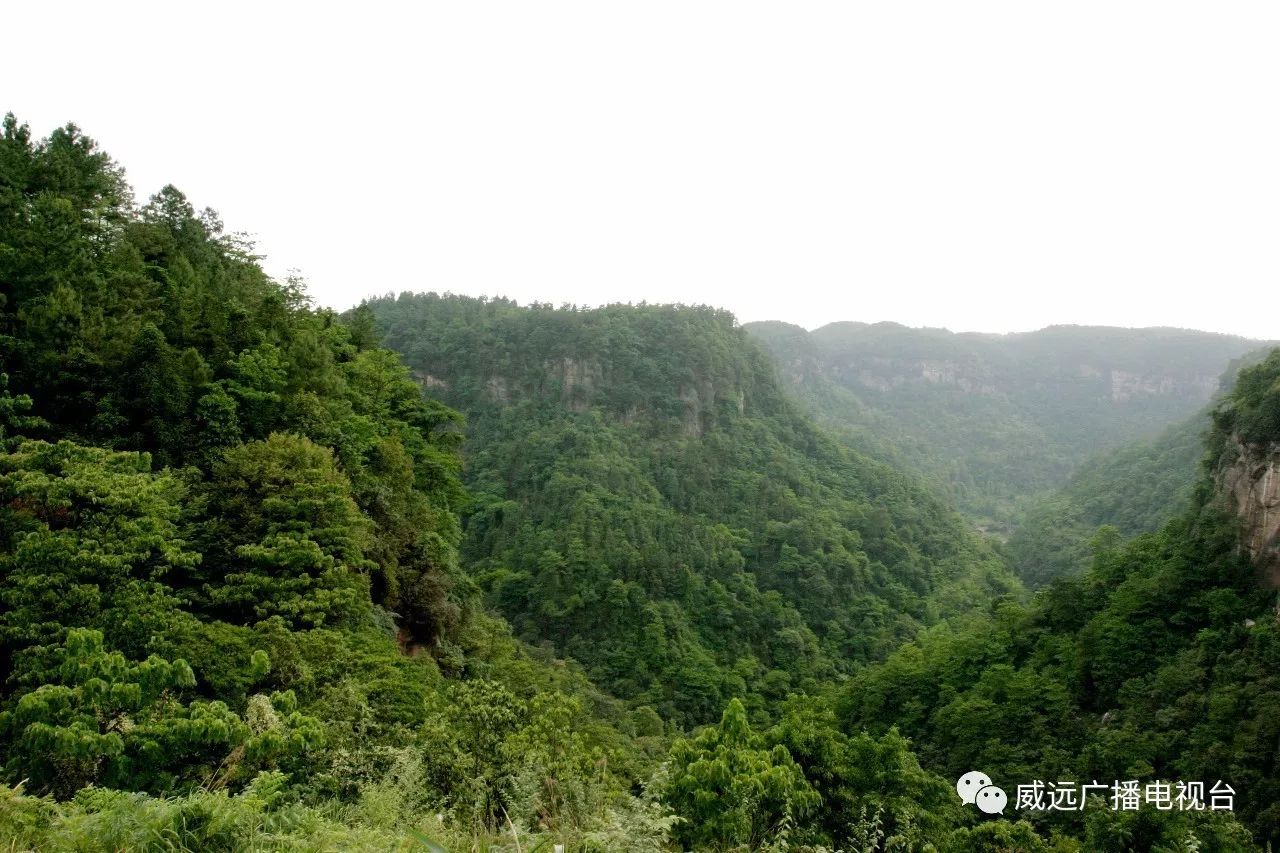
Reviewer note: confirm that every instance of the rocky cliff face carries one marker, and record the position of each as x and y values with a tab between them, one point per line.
974	377
1125	386
1250	483
886	374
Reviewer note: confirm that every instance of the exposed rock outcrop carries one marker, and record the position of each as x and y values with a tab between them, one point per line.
430	382
498	390
1250	484
578	378
884	374
1125	385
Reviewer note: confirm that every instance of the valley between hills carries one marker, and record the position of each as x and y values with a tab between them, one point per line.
453	573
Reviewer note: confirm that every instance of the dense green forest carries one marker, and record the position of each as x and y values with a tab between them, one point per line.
997	422
233	611
1134	489
648	502
1159	662
455	574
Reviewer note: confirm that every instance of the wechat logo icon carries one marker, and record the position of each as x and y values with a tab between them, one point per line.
975	789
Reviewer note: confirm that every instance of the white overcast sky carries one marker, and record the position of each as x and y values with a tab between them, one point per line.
975	165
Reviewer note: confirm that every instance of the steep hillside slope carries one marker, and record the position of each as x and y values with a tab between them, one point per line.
1158	664
240	581
1245	459
997	419
1134	489
231	610
650	503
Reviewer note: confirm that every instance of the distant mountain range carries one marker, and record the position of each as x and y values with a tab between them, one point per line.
996	420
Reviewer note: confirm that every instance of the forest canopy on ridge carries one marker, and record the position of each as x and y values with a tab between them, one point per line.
447	573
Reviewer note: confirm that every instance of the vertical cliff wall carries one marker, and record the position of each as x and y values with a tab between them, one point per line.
1250	484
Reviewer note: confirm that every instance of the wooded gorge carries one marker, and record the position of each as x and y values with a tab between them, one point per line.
452	573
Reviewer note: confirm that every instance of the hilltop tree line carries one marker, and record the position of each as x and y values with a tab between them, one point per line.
233	610
647	501
998	422
259	591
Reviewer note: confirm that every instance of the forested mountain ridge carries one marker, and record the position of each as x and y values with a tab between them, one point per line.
245	561
648	501
995	419
232	614
1245	459
1134	489
1159	663
235	613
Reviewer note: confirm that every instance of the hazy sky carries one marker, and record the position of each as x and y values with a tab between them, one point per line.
977	165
